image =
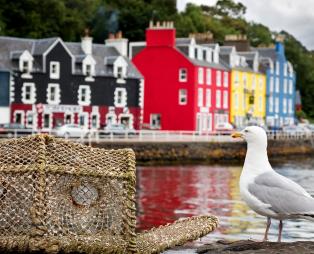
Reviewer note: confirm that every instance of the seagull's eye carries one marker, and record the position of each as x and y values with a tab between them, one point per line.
246	131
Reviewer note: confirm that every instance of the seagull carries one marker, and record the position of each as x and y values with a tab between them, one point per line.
265	191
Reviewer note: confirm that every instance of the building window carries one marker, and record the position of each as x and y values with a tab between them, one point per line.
271	84
88	70
285	70
226	79
53	94
120	72
54	70
200	97
277	68
155	121
291	106
291	86
236	75
225	99
236	101
29	119
285	86
253	82
83	119
284	105
120	97
95	121
218	78
277	85
19	117
260	103
25	66
183	97
208	98
218	98
271	104
200	75
28	93
84	95
277	105
261	83
68	118
208	76
183	75
244	80
46	121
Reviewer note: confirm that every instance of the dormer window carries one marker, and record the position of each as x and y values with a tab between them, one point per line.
120	72
88	71
26	64
54	70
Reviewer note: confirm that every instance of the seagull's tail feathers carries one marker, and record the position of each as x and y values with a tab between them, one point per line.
307	216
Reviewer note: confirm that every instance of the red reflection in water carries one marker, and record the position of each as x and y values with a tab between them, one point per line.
165	194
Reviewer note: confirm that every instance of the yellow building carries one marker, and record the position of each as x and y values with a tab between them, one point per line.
248	96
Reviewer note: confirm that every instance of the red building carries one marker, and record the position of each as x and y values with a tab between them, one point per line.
186	86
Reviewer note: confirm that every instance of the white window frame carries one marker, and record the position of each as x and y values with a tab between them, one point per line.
261	83
236	78
291	106
260	103
87	100
276	105
86	119
183	75
131	119
218	98
244	78
271	84
277	67
32	98
271	104
200	97
56	74
29	113
253	82
97	120
183	97
291	86
57	98
201	75
71	114
236	101
111	115
208	98
123	102
208	76
285	86
277	85
284	105
225	99
218	78
50	121
226	79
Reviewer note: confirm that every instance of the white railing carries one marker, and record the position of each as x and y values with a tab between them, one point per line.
155	136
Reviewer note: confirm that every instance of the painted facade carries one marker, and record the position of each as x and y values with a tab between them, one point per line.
281	86
53	83
186	87
248	87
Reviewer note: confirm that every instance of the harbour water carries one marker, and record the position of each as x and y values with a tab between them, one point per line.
167	193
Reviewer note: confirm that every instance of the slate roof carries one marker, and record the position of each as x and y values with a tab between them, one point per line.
183	41
266	52
11	48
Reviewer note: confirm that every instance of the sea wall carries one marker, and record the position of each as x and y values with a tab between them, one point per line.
206	152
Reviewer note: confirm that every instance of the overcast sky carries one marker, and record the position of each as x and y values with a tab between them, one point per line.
293	16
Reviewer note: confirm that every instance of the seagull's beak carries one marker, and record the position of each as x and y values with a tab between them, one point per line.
237	135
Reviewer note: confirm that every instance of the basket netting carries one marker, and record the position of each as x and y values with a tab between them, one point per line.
64	193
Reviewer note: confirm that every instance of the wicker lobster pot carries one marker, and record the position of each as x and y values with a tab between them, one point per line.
59	196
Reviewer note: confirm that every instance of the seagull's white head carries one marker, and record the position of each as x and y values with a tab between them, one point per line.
253	135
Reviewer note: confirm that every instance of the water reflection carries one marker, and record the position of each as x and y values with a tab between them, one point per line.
168	193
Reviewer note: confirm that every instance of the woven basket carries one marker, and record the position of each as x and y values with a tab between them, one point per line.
59	196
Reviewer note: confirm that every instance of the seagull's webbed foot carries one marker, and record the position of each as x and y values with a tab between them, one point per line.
267	229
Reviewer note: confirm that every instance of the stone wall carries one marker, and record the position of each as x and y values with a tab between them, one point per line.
206	152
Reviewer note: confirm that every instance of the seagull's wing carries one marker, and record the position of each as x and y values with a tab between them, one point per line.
282	194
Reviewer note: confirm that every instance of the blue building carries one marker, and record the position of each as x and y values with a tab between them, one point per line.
4	96
280	89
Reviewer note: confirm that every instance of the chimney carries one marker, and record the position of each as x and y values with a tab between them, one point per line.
86	43
202	38
239	41
117	41
161	34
